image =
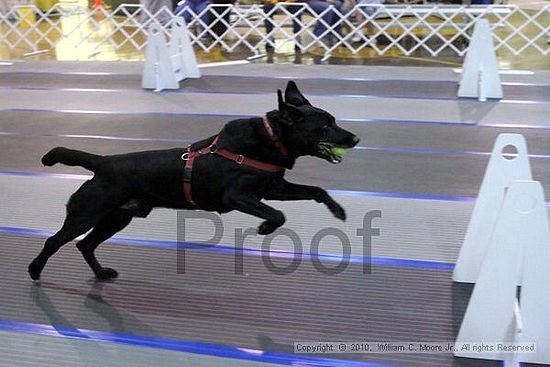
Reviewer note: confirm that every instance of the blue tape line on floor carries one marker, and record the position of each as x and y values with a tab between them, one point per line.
295	77
312	94
200	348
236	116
226	249
188	141
401	195
397	195
67	176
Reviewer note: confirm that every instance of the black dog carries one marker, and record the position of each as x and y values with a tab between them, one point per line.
232	171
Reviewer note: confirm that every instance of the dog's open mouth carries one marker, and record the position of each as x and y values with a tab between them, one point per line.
330	152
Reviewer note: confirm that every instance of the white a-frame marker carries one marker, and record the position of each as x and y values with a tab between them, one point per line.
480	77
500	173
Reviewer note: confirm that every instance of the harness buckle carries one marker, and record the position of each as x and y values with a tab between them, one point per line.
240	159
213	148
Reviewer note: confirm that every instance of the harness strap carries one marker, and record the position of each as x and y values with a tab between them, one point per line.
190	155
188	176
249	162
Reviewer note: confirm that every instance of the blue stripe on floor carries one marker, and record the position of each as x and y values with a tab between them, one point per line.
444	123
296	77
442	151
312	94
95	137
66	176
236	116
188	141
436	81
231	250
397	195
400	195
204	349
152	113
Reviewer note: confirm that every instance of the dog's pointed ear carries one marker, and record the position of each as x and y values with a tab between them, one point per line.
289	113
293	95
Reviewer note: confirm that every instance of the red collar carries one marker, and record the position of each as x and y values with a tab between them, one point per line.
274	138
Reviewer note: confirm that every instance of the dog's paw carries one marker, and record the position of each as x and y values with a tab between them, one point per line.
106	274
337	210
267	227
34	270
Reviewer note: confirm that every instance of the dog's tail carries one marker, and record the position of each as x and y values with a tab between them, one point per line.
72	157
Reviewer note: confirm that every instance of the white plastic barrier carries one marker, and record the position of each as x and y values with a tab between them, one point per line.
500	173
519	249
165	66
480	78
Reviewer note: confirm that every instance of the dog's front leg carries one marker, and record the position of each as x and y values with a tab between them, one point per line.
253	206
287	191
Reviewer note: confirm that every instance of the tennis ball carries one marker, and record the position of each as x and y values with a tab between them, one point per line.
339	152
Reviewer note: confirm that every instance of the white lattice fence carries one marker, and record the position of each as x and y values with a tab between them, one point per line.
405	29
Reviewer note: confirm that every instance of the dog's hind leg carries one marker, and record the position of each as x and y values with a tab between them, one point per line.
105	229
72	228
85	208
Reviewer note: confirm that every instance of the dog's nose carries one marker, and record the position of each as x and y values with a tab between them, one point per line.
355	140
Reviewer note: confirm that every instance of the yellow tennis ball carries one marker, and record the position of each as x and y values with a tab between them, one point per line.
339	152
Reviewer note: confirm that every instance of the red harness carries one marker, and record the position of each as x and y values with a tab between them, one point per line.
190	155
